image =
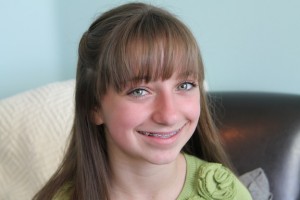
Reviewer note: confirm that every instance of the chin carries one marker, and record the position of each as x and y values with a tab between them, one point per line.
165	158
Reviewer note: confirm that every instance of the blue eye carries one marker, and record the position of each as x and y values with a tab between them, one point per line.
186	86
139	92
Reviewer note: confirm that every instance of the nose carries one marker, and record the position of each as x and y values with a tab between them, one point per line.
165	110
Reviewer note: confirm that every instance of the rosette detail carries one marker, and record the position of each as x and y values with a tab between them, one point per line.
216	182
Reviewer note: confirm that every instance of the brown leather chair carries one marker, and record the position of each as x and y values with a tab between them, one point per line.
263	130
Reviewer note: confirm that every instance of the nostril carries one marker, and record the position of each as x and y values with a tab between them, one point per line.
165	108
165	115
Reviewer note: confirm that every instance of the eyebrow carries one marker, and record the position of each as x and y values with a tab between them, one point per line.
187	74
139	79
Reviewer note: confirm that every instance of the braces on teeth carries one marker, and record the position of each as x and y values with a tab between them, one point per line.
160	135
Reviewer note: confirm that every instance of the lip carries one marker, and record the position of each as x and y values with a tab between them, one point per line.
161	135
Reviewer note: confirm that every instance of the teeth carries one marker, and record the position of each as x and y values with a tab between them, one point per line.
146	133
160	135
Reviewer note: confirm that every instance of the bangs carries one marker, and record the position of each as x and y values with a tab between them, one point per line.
153	47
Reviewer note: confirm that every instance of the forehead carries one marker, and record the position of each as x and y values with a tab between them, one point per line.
160	59
150	48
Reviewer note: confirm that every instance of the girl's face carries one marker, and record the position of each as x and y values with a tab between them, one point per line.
150	122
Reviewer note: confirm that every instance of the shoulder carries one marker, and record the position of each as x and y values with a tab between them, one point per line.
207	181
64	193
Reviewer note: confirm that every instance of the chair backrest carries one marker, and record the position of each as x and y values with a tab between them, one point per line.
263	130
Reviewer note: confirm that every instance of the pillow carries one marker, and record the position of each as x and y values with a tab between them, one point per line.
34	127
257	183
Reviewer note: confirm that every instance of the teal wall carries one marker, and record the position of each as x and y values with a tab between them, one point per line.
246	45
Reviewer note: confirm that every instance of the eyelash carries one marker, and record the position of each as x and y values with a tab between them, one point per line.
133	91
192	85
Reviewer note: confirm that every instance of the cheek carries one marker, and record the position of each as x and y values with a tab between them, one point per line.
192	108
194	113
122	117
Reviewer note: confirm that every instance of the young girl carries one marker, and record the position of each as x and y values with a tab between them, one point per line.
142	127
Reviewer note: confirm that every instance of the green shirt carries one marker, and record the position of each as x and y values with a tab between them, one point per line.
211	181
203	181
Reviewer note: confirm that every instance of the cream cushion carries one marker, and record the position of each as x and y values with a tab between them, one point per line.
34	127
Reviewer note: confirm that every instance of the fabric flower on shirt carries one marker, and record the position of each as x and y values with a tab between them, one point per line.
215	182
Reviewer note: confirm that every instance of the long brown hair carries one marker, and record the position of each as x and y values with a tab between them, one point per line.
132	40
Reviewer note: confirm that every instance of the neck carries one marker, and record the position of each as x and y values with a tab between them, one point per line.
147	181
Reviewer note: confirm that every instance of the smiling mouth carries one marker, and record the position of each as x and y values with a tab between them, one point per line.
162	135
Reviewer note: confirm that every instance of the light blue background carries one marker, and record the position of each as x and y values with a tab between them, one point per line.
246	45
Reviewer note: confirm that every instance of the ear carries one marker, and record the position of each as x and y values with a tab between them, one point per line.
96	116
